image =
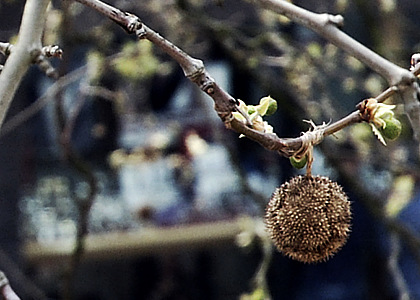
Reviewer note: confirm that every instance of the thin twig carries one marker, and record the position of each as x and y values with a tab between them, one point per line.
260	277
42	101
50	95
394	268
83	202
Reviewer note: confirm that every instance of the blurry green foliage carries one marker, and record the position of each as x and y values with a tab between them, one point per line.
137	61
96	66
257	294
401	194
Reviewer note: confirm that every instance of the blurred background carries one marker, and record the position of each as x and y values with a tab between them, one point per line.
123	139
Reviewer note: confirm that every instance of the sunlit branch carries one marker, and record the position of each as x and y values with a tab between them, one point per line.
21	57
225	104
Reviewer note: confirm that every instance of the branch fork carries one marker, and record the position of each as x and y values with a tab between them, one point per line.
39	57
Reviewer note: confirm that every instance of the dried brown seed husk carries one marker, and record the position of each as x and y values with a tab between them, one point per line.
309	218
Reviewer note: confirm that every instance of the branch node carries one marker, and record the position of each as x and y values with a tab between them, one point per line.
415	60
309	139
234	101
40	59
141	33
337	20
206	84
208	88
194	69
312	137
366	110
407	79
227	119
134	23
52	51
242	112
6	48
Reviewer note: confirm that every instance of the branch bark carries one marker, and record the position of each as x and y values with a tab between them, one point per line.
194	69
327	26
20	59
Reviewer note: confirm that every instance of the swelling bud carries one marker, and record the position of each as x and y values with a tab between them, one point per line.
298	164
392	129
267	106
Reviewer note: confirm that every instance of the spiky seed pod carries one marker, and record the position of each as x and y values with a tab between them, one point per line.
308	218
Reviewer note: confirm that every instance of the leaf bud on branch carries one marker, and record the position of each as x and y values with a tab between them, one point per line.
381	118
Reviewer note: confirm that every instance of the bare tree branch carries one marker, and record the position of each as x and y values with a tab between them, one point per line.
327	26
225	104
400	80
52	92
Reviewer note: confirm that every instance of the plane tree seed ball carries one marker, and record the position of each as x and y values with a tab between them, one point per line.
309	218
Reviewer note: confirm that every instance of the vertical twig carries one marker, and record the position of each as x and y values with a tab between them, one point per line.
394	269
20	59
260	278
26	286
83	204
6	290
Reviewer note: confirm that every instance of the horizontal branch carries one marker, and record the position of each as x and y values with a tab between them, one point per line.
225	104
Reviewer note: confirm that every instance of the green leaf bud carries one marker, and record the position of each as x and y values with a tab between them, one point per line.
272	108
298	164
251	109
392	129
267	106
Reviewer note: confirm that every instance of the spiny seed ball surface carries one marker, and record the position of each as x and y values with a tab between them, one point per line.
309	218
